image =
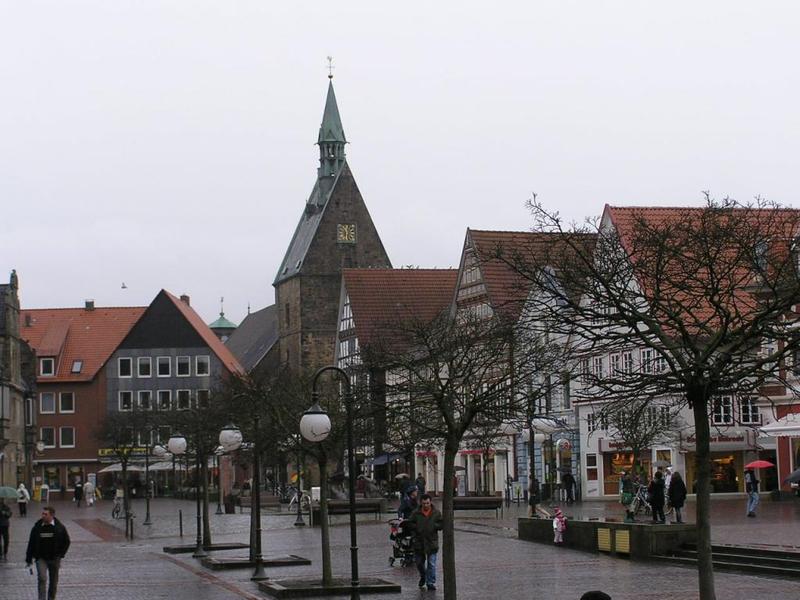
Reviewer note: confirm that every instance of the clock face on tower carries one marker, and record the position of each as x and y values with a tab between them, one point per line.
346	233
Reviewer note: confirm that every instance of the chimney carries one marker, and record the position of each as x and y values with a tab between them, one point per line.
185	300
89	305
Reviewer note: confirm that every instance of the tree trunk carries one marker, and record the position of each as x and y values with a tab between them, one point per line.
705	567
448	533
206	522
324	527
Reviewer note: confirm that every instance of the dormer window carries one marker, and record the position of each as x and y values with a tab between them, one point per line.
77	365
47	367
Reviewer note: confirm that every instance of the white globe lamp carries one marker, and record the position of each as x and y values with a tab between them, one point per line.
315	425
177	444
230	438
159	451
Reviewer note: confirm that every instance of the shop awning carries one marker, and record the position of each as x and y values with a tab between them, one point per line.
117	468
383	459
788	426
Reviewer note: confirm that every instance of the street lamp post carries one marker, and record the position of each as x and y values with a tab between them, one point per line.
177	445
299	522
219	480
230	438
147	520
315	426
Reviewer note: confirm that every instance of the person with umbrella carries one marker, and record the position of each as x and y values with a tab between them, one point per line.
751	484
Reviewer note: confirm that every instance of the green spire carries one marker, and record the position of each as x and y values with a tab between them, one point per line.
331	138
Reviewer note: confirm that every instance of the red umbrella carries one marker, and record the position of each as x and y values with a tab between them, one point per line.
759	464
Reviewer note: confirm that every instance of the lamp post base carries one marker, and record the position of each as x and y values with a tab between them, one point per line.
259	574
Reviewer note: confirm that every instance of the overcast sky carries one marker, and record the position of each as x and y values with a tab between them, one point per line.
171	144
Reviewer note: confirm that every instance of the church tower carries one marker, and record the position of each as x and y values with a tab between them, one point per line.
335	232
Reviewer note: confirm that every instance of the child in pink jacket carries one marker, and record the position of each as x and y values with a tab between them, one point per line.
559	527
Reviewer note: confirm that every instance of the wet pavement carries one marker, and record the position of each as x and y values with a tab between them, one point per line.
490	561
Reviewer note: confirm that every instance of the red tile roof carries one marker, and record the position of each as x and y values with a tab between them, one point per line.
214	343
380	297
71	334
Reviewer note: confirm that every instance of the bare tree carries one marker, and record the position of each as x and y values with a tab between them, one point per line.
448	376
696	293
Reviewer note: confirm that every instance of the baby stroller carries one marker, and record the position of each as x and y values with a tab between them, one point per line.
402	542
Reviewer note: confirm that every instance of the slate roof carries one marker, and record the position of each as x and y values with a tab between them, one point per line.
379	297
306	229
212	341
71	334
254	337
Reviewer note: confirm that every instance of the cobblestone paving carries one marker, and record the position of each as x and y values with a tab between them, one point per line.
491	562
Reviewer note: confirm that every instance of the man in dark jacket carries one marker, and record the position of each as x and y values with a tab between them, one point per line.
48	544
426	523
656	493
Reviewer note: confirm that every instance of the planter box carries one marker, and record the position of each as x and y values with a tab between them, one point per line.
637	540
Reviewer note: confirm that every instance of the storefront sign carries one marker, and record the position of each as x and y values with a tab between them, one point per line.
112	453
732	440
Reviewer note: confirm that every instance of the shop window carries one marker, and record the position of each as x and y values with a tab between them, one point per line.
723	411
66	437
591	467
52	477
124	367
74	475
48	436
144	364
66	402
47	403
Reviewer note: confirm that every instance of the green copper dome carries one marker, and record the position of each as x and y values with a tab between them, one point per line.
222	323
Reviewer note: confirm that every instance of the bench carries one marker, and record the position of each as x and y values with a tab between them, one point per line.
266	502
363	505
479	503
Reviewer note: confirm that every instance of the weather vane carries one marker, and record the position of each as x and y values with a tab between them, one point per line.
330	67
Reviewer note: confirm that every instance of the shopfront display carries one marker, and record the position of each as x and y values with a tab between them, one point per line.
52	477
727	472
75	473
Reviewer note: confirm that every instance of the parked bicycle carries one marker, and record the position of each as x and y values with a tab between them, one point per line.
116	509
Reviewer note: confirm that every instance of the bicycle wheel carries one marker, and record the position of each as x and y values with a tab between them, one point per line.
116	511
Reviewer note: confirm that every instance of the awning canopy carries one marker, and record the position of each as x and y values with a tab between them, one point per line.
117	468
788	426
384	458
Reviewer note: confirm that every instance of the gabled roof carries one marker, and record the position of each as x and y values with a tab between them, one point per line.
379	297
212	341
499	251
254	337
71	334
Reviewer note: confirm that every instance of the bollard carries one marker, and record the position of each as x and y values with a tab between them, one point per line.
180	522
131	527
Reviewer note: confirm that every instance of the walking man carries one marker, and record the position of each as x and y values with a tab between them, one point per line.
751	487
47	545
426	524
5	515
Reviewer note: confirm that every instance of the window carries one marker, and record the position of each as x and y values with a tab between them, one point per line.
769	348
614	362
125	367
723	411
347	316
183	399
591	422
647	360
145	399
584	367
48	436
77	365
47	367
144	364
660	364
164	366
591	467
164	399
286	314
66	435
163	434
203	398
749	411
627	362
30	409
598	367
66	402
183	366
567	391
47	403
125	400
202	365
